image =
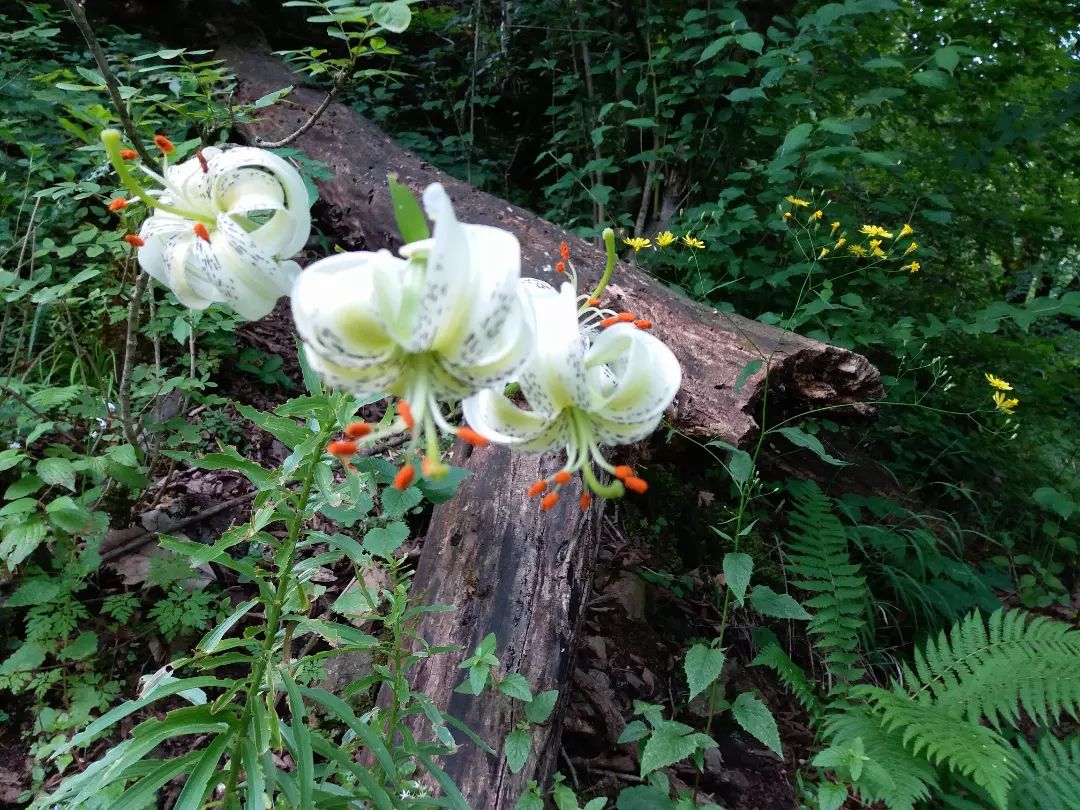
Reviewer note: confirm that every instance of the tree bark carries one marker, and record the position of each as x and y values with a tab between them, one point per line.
511	569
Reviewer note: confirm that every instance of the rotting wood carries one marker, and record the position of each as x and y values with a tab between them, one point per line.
510	569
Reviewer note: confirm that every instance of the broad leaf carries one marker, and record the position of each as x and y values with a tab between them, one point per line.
755	717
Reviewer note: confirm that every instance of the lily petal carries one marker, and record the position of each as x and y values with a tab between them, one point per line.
648	374
498	419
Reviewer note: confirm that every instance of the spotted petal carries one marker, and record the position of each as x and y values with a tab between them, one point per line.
498	419
647	373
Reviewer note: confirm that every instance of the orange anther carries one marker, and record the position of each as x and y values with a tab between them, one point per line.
405	412
594	302
404	476
560	267
635	484
118	204
562	477
626	317
202	161
470	436
537	488
643	324
133	240
342	447
585	502
564	251
128	154
357	430
609	322
549	501
201	232
622	472
164	144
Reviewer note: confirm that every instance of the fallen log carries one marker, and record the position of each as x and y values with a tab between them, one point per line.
510	569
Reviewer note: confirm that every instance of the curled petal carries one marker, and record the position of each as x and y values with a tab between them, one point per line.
498	419
554	377
647	373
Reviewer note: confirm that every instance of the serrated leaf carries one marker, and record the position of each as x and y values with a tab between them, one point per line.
539	710
669	743
702	666
84	645
755	717
396	502
20	538
57	472
383	542
516	749
812	443
768	602
634	731
515	686
27	485
35	591
737	570
831	796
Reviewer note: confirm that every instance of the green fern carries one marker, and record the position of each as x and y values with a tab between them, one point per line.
1019	661
792	676
903	778
1049	775
818	561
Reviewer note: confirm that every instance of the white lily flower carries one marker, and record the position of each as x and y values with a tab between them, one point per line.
587	385
225	226
444	322
239	262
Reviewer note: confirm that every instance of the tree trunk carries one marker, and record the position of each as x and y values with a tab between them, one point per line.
510	569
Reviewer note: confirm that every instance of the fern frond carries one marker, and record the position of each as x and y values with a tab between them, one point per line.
1018	660
1049	775
902	780
969	748
818	561
792	676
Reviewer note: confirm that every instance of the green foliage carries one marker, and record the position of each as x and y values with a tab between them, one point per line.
1049	774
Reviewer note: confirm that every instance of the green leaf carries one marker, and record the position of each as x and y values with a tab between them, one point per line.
669	743
203	777
737	570
27	485
383	542
745	94
445	488
797	137
228	459
57	472
27	656
394	17
84	645
516	749
748	371
642	123
713	48
142	794
768	602
883	63
755	717
635	730
514	685
752	41
539	710
643	797
271	98
831	796
305	764
947	58
312	382
34	591
934	78
703	665
410	219
10	457
396	502
20	538
802	439
1054	501
213	638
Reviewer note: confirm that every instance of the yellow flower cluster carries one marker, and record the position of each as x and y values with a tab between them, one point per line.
1002	401
663	239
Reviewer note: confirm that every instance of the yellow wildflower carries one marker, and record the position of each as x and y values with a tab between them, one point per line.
787	216
840	243
692	242
875	230
911	248
914	267
1004	403
907	230
857	250
664	239
997	382
796	201
835	225
817	214
637	243
875	249
824	253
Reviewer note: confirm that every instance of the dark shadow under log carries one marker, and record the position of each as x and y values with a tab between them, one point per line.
509	568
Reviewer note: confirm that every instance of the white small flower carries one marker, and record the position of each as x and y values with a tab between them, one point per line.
244	216
444	322
585	387
14	446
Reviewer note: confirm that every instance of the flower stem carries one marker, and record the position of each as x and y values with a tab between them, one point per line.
609	246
